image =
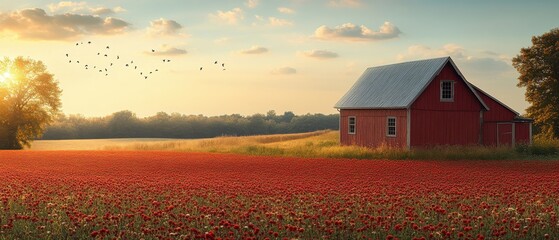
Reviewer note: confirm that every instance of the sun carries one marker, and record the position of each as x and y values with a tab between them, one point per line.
5	76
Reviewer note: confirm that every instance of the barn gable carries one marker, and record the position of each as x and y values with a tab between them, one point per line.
396	86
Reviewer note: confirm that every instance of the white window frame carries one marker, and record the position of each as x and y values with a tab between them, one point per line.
388	126
451	99
349	124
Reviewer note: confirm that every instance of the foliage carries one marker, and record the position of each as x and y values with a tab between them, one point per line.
170	195
538	66
126	124
29	100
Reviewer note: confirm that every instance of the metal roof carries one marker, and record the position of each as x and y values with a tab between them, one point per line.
395	85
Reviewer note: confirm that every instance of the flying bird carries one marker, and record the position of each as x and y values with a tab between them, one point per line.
111	64
70	61
117	57
168	60
201	68
107	47
66	54
146	77
135	67
89	42
153	50
77	44
98	53
127	64
106	55
215	62
223	64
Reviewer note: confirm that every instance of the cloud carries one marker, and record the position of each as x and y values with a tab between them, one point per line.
222	40
477	64
35	23
232	16
167	50
82	7
276	22
285	10
284	71
254	50
67	6
319	54
252	3
351	32
345	3
164	27
106	11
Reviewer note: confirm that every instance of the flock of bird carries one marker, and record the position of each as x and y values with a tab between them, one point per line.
111	60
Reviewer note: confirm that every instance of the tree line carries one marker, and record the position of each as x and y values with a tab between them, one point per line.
125	124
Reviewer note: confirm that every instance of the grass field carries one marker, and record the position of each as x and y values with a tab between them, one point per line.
177	195
323	144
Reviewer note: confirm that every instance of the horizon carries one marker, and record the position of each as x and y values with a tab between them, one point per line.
299	56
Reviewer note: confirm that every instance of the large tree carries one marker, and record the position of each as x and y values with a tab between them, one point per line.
29	101
538	66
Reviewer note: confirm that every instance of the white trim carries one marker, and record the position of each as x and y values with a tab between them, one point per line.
408	128
349	125
388	126
451	99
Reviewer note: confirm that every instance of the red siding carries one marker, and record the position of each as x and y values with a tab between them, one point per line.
431	128
371	128
497	112
522	132
435	122
464	99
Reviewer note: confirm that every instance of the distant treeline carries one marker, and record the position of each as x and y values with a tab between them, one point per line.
126	124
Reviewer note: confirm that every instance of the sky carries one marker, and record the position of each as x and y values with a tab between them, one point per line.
288	55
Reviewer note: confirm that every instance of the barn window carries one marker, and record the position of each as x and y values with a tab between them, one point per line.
447	91
391	127
351	125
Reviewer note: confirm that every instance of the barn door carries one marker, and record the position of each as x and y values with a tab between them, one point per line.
505	134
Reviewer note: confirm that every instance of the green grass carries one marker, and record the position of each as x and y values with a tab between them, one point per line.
325	144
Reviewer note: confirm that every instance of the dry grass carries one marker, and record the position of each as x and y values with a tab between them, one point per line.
324	144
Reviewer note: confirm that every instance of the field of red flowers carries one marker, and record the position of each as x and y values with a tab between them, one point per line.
169	195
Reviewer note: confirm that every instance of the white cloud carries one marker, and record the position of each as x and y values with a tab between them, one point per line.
284	71
83	7
167	50
252	3
277	22
254	50
478	64
232	16
319	54
67	6
285	10
164	27
35	23
345	3
222	40
351	32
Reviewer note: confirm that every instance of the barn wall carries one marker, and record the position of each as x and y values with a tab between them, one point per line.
434	122
522	133
431	128
464	99
371	127
497	112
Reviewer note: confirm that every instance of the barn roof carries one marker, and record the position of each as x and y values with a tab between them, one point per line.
395	85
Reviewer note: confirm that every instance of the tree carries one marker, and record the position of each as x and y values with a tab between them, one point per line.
538	66
29	101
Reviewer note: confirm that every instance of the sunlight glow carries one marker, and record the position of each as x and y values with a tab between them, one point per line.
5	76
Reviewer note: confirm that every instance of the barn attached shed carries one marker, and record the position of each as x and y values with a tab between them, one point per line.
425	103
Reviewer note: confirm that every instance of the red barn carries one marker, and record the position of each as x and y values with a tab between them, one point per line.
425	103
